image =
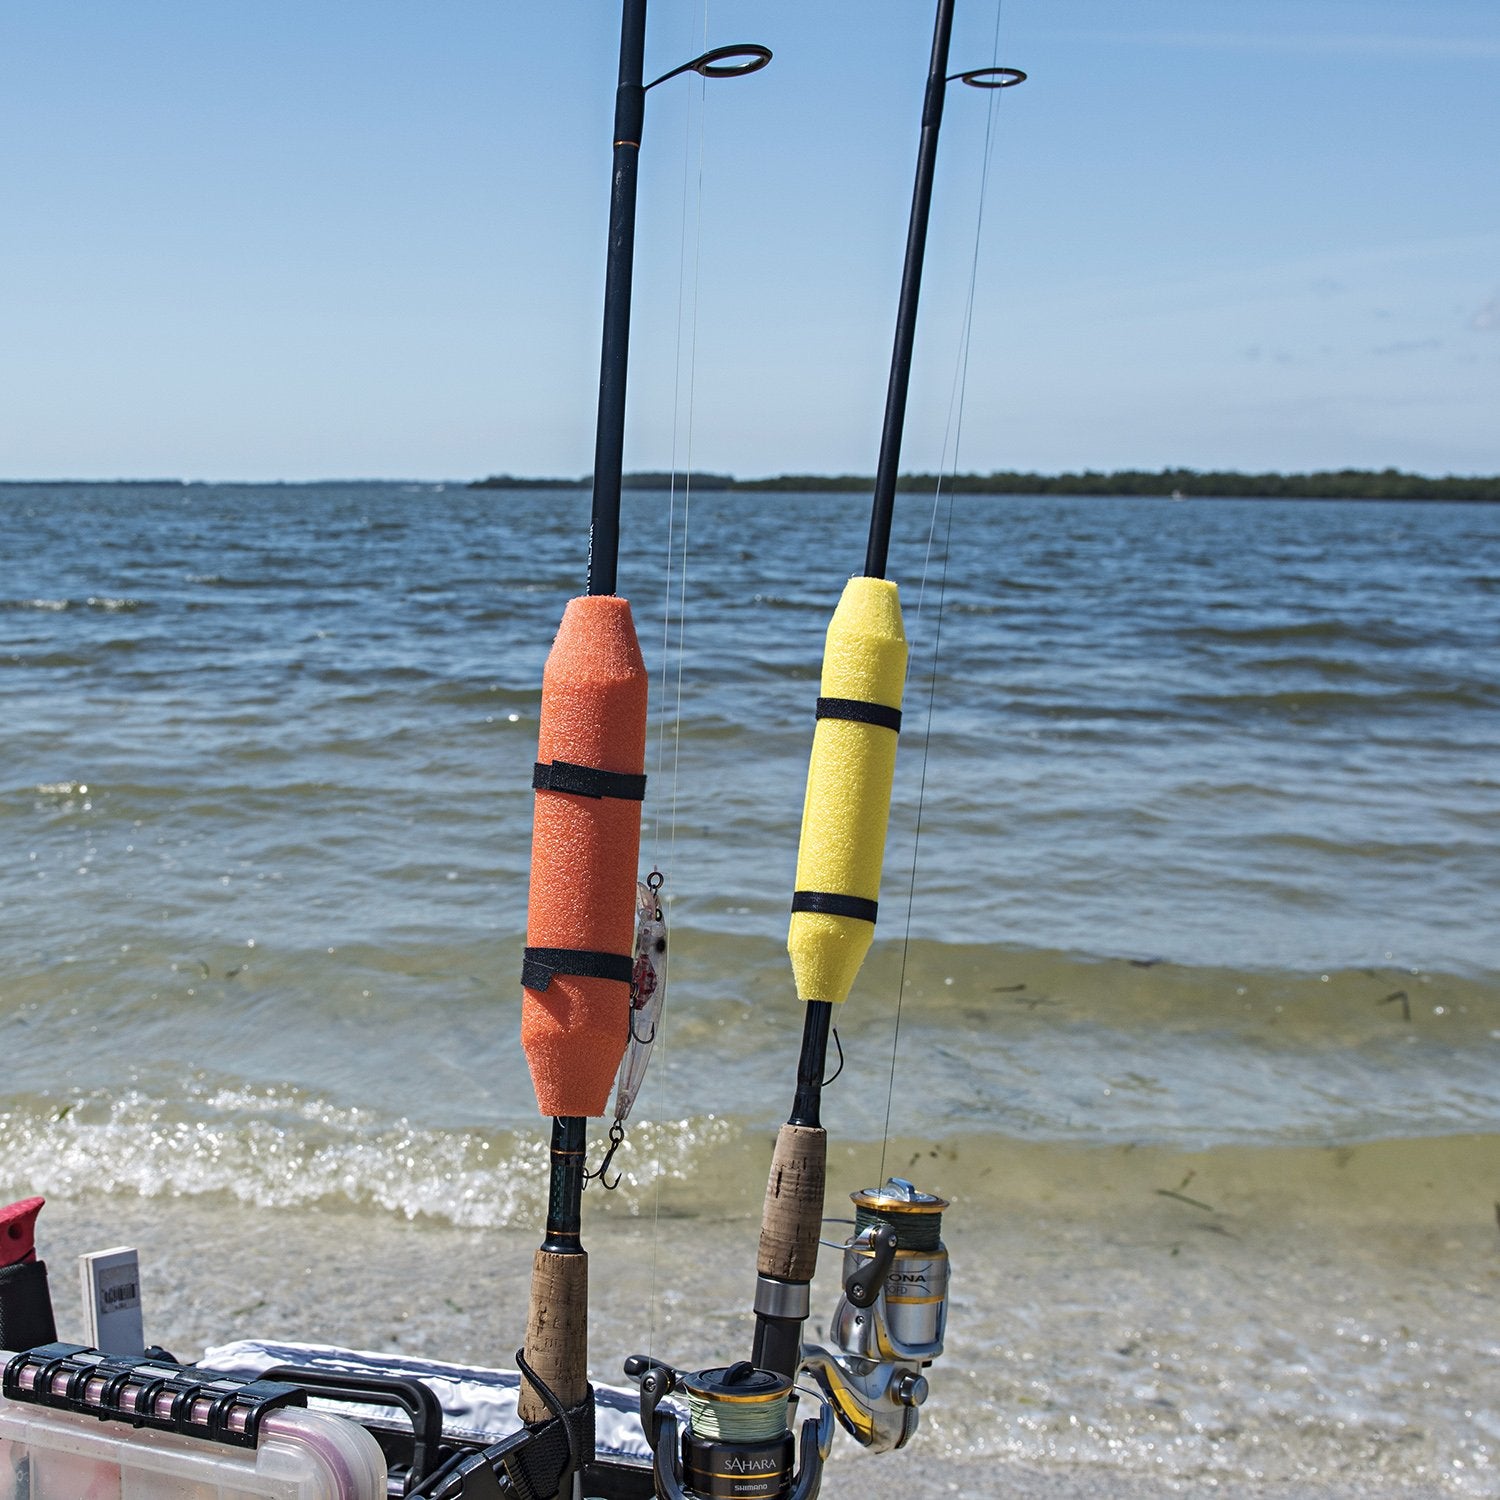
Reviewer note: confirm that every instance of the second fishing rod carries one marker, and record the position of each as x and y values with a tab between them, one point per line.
845	815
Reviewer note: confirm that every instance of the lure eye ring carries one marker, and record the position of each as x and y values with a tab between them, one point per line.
989	78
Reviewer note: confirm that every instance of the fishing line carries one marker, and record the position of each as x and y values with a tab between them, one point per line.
953	428
696	220
666	626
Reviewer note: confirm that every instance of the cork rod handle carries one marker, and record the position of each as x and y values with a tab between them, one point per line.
793	1215
557	1331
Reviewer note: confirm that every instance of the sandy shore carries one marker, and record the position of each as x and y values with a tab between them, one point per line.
863	1475
1129	1354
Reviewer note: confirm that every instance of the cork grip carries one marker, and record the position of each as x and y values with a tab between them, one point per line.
557	1331
793	1215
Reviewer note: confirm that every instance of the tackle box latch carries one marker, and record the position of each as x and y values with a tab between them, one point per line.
147	1392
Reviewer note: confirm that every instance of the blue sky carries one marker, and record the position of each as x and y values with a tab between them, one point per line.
303	239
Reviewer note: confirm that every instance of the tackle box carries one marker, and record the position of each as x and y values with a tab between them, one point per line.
83	1442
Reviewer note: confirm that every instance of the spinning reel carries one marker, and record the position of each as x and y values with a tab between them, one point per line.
737	1444
888	1325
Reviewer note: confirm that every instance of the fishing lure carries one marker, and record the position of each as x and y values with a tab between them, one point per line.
648	991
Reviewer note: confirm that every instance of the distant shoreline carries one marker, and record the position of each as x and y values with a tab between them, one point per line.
1210	484
1327	484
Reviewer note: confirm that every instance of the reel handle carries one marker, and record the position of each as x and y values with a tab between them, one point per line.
862	1286
657	1380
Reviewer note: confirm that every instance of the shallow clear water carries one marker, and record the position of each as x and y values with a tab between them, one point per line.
1206	878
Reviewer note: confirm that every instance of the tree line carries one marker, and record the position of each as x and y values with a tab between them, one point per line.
1322	484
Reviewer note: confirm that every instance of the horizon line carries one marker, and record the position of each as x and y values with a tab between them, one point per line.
665	477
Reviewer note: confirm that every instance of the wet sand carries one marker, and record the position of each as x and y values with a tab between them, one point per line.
1270	1344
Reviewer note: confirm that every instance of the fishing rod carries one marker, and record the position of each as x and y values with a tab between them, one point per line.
589	781
890	1321
872	1376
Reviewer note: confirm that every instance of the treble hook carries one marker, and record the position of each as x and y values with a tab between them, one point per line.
616	1139
644	1041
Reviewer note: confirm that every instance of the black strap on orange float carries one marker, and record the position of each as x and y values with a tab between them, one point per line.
539	966
587	781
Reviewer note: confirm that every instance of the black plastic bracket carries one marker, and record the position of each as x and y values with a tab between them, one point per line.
132	1390
415	1399
534	1462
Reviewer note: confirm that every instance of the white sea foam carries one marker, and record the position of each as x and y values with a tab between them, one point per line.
277	1147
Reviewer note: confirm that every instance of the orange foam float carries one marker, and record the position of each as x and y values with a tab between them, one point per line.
585	845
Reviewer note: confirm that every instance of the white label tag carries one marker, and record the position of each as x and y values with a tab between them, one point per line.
111	1284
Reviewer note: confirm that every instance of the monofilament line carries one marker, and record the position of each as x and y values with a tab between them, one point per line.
691	319
953	428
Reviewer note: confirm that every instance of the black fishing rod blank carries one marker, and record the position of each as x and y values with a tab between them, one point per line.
609	438
614	359
894	423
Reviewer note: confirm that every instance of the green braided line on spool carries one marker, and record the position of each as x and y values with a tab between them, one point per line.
913	1231
738	1421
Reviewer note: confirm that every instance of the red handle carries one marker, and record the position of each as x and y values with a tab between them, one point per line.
18	1231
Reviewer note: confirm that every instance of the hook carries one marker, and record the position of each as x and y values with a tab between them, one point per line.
641	1041
616	1139
837	1043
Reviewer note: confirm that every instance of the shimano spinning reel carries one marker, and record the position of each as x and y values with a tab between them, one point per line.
889	1322
737	1442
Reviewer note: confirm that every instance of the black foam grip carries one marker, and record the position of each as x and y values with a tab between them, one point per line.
25	1307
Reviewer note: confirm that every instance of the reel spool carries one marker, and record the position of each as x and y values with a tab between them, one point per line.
737	1444
913	1301
889	1322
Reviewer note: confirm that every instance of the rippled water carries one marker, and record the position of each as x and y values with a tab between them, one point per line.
1205	892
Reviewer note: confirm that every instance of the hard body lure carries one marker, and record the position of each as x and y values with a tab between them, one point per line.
648	989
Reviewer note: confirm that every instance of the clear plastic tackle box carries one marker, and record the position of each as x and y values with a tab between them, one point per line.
48	1452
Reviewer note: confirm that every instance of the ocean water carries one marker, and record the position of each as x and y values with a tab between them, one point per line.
1187	988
